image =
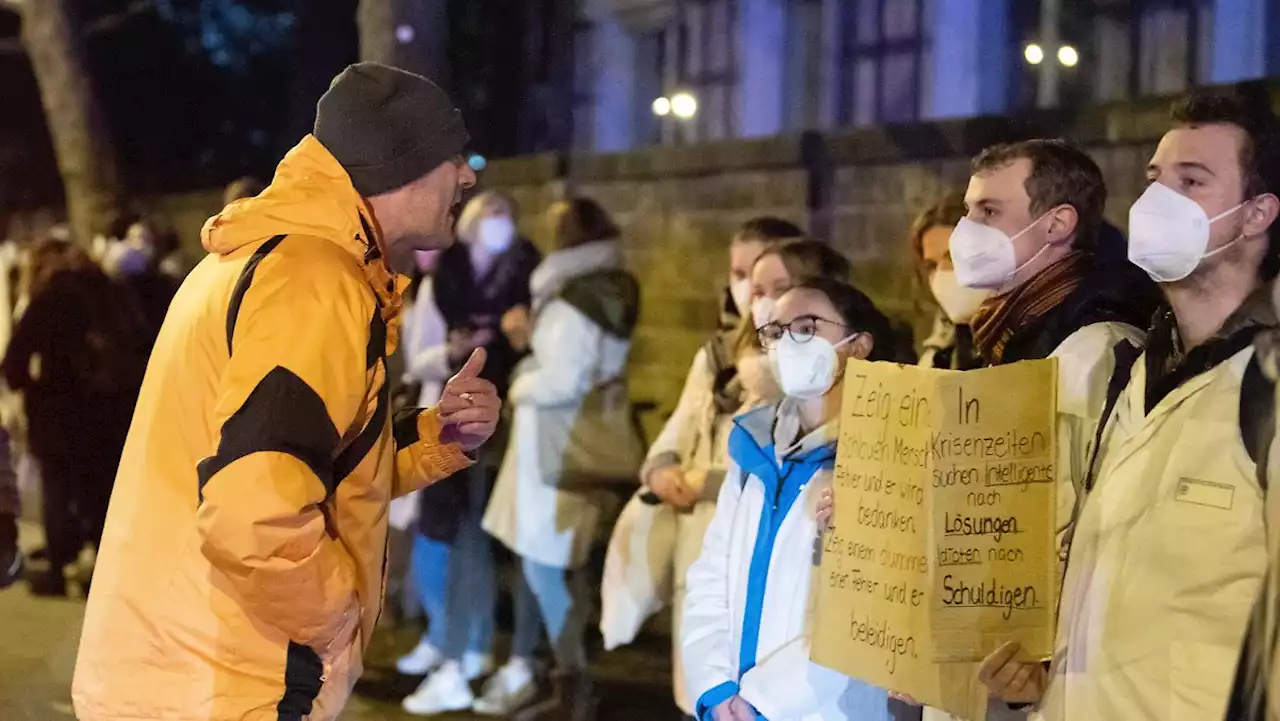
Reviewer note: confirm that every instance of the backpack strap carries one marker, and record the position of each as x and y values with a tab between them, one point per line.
1125	354
1257	416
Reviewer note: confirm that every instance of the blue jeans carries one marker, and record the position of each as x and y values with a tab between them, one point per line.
456	581
558	599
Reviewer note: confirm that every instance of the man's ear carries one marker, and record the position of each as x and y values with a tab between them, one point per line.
862	346
1063	221
1260	215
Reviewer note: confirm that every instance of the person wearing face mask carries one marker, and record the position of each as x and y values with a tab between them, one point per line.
775	272
477	282
1033	240
950	346
747	627
687	460
1168	552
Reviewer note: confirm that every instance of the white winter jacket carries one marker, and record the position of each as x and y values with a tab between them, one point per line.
748	606
1086	360
1168	557
423	342
571	355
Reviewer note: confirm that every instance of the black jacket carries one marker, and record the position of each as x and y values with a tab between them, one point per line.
473	303
1113	291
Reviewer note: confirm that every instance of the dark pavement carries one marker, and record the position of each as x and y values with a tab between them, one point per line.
39	638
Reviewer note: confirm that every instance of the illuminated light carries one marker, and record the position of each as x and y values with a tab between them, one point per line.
661	107
477	162
405	34
1034	54
1068	56
684	105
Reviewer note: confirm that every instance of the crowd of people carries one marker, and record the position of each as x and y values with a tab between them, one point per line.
242	567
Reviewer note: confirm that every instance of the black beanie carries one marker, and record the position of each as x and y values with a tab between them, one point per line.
387	127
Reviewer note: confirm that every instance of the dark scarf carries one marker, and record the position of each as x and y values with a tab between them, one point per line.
1169	365
726	388
1002	318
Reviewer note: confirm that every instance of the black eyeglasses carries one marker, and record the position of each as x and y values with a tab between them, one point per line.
801	330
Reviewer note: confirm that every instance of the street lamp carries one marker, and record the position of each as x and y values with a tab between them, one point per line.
684	105
1034	54
661	107
1068	56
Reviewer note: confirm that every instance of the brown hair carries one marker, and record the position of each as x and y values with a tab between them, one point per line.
768	229
805	261
578	221
1061	174
1259	152
945	213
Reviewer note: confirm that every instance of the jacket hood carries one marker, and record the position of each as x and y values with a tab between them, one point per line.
311	195
559	267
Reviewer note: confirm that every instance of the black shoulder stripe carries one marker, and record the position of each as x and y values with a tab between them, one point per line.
245	280
377	349
285	415
303	681
405	427
360	447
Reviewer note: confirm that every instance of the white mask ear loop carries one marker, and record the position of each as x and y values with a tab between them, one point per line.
1043	249
1230	243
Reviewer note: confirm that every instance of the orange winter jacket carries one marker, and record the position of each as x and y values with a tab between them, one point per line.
242	567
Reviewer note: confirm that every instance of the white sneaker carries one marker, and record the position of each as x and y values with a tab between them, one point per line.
443	691
510	689
420	661
476	665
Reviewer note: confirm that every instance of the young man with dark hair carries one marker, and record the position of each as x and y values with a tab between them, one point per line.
1168	551
1030	237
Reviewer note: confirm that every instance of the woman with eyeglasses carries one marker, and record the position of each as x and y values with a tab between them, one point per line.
747	613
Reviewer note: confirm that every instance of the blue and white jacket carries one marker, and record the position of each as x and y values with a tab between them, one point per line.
748	605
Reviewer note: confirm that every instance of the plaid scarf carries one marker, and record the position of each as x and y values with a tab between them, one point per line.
1002	318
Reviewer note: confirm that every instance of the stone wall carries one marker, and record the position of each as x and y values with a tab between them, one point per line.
678	208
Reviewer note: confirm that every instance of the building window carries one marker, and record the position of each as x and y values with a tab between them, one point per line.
881	57
1127	48
1145	47
701	58
803	65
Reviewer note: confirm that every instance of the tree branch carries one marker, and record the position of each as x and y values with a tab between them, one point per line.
99	25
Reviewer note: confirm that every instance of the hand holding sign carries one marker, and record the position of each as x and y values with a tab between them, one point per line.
1011	679
469	406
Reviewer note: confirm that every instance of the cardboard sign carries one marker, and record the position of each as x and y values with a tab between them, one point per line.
944	544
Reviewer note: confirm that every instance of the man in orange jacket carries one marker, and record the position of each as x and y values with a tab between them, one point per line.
242	568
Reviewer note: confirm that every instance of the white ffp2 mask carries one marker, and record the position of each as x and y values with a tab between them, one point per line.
957	301
1169	233
496	233
762	310
740	291
984	256
806	370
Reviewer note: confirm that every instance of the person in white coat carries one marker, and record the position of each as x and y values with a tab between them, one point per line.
1168	552
747	630
424	370
1033	239
476	282
584	311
